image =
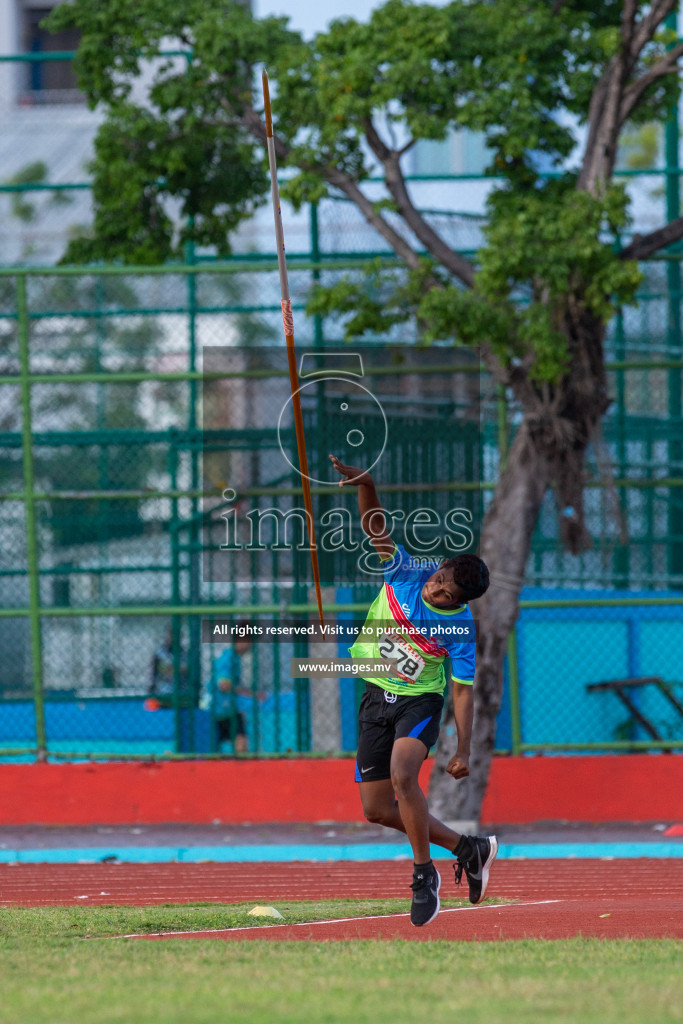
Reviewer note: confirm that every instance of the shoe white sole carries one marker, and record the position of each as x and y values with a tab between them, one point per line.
487	866
438	904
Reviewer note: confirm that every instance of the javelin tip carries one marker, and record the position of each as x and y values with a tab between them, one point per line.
266	104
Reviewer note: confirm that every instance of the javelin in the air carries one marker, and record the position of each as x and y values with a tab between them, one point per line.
288	323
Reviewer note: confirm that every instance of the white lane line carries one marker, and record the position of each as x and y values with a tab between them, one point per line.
308	924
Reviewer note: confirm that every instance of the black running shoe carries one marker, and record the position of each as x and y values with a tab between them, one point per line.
426	885
475	857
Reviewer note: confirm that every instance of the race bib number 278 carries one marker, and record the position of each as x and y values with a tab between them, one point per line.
409	664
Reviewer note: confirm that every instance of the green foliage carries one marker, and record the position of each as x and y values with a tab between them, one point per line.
179	154
140	161
32	174
545	249
472	320
373	302
639	147
552	248
181	164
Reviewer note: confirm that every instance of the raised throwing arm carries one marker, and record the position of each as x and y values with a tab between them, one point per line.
372	516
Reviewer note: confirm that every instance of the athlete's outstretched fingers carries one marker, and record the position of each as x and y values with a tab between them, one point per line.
352	474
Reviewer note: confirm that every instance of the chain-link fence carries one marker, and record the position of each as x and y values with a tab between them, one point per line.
145	437
148	459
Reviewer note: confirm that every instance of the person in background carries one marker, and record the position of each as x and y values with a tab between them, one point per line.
161	681
230	695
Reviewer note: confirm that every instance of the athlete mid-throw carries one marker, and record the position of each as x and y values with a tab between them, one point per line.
411	627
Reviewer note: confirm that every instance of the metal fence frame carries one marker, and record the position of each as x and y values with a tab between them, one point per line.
36	613
313	262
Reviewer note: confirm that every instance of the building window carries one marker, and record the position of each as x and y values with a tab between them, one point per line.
49	81
461	152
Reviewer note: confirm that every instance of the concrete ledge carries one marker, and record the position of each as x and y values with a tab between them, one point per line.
466	826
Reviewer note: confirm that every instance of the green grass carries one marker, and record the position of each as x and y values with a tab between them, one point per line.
102	922
50	972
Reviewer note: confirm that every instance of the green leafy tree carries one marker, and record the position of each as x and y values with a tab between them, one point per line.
561	78
32	174
28	204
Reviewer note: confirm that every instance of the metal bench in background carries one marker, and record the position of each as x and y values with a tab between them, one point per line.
620	687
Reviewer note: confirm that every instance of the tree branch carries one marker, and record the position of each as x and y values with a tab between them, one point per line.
344	182
603	131
432	241
628	23
646	28
643	246
634	92
613	101
501	374
255	126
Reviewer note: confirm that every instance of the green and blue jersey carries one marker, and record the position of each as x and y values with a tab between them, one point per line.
400	611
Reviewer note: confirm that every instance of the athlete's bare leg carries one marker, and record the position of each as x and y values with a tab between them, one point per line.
381	807
399	802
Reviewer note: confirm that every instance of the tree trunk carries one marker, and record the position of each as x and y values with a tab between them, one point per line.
548	450
505	543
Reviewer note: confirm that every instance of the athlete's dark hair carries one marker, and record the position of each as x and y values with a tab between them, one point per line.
470	573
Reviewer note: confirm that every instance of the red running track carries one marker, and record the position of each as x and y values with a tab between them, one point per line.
610	899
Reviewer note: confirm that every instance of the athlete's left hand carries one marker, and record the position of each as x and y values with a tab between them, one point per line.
459	766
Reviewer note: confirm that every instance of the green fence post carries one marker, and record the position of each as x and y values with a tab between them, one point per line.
674	332
513	676
277	711
318	338
622	553
176	621
194	681
32	556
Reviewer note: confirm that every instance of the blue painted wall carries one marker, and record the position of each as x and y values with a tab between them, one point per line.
560	651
